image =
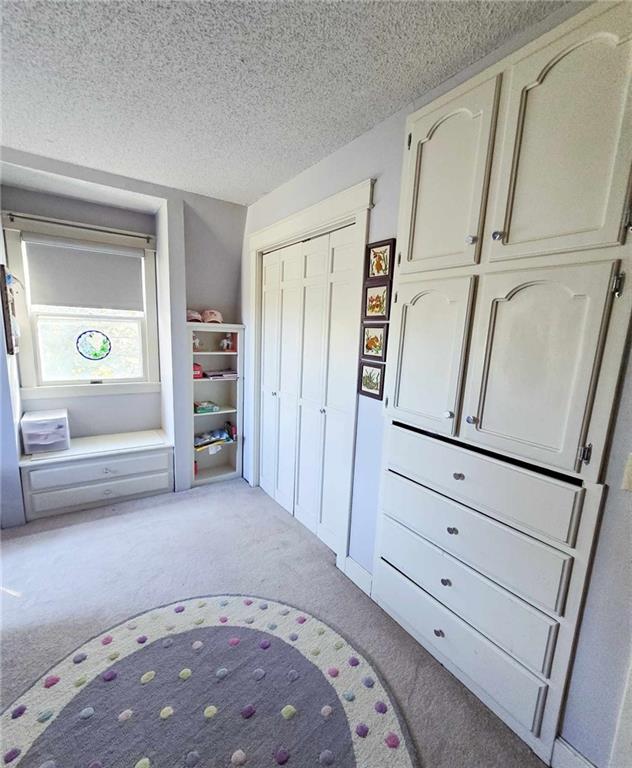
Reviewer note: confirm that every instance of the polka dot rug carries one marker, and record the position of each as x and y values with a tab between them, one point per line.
213	682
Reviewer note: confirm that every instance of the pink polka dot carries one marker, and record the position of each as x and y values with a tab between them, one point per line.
391	740
50	681
332	672
106	640
301	619
247	601
234	641
223	619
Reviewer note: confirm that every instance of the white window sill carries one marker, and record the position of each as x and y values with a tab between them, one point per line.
88	390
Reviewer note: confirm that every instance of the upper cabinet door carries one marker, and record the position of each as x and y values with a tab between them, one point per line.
446	183
430	329
534	357
567	147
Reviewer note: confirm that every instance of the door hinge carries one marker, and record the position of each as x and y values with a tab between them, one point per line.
395	299
399	258
585	453
410	138
386	402
617	284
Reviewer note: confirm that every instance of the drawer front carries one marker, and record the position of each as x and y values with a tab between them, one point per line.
101	469
520	497
48	501
523	631
516	690
522	564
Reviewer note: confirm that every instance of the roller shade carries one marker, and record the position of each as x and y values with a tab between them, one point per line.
68	273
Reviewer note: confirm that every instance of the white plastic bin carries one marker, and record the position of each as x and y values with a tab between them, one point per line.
44	431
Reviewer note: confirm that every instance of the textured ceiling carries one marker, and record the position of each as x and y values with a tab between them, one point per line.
228	99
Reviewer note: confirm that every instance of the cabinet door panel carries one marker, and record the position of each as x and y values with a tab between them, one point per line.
432	319
535	348
566	155
447	180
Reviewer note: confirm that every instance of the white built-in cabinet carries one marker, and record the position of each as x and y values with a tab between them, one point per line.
311	293
510	316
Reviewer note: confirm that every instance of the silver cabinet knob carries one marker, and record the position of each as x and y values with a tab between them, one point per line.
497	235
274	394
471	239
448	414
452	530
439	633
107	471
107	492
471	419
458	475
446	582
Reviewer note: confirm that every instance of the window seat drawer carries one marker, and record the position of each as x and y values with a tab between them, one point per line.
526	566
94	470
536	503
517	691
526	633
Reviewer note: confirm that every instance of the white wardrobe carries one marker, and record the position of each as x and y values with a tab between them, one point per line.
311	295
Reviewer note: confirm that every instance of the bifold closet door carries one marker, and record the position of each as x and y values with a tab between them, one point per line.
314	259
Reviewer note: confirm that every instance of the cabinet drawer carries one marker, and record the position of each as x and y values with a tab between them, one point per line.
524	632
98	469
522	564
516	690
49	501
537	503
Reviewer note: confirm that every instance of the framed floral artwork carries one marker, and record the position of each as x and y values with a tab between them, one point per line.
374	341
379	260
376	304
371	379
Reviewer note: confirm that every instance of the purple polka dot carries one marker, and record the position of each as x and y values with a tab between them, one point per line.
391	740
223	619
18	711
301	620
50	681
281	756
368	682
179	608
10	756
248	711
96	764
264	644
141	639
380	707
362	730
109	675
233	642
293	636
106	640
353	662
79	657
247	601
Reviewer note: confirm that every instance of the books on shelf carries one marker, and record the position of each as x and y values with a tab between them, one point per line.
225	375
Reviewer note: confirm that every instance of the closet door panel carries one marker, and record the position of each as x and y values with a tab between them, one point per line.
337	465
432	320
270	322
566	156
447	180
535	349
309	461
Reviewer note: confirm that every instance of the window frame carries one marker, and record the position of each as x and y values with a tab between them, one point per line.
31	384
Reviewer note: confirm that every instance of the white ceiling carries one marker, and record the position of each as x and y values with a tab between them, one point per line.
228	99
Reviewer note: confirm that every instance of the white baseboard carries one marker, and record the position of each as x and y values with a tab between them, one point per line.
564	756
358	575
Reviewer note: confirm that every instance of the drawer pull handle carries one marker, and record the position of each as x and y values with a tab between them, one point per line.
439	633
448	414
108	492
446	582
107	471
458	475
452	531
497	235
471	419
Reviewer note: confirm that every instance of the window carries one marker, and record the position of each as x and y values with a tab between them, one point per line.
88	312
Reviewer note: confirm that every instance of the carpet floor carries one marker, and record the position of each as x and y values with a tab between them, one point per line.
68	578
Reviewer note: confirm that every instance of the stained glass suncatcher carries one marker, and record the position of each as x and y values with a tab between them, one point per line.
93	345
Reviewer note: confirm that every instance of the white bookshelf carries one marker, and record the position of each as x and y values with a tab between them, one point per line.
227	393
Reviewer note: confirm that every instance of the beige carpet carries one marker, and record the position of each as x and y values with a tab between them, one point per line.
77	574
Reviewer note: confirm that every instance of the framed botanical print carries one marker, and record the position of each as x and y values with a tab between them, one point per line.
379	260
374	341
371	379
376	301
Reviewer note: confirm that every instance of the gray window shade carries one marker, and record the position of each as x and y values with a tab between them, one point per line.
80	274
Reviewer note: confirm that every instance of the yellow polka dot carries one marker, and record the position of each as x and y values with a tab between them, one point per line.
80	681
166	712
147	677
185	674
143	763
288	711
210	712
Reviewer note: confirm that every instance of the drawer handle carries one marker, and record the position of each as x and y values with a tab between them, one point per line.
452	531
108	492
471	419
458	475
446	582
497	235
439	633
107	471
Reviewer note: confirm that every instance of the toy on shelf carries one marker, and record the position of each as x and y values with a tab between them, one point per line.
226	344
198	373
215	437
196	343
205	406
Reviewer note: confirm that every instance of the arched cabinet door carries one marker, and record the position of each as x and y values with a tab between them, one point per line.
431	322
534	359
446	181
567	148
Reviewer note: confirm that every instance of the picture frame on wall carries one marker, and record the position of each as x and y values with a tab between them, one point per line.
379	260
371	379
373	342
376	299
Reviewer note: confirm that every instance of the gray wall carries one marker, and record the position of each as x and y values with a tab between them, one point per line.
605	640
